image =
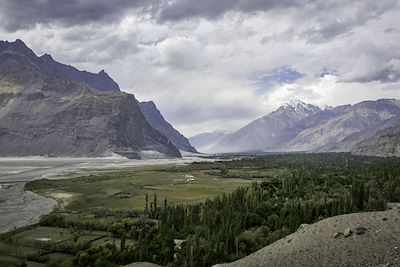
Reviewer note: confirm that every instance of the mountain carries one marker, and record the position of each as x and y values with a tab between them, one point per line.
301	127
157	121
384	143
341	128
205	141
46	114
264	133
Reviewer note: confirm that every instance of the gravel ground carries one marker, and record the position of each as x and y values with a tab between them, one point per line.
19	208
324	243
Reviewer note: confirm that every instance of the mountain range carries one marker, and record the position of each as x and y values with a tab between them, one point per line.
367	128
48	108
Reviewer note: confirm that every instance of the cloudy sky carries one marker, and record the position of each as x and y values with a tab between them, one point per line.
218	64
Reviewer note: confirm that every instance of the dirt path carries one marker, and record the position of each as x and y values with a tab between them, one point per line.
314	245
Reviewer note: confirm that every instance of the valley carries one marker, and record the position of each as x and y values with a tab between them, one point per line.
217	211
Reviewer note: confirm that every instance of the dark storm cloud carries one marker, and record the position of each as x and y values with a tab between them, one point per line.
211	9
341	18
25	14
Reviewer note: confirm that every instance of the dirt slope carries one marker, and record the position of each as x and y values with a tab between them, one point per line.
315	245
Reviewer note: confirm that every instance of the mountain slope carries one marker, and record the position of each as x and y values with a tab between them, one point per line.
264	133
205	141
384	143
46	114
157	121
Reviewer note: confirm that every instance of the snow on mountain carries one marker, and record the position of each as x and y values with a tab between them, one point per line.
298	126
264	133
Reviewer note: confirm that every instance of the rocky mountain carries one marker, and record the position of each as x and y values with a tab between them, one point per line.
46	114
205	141
301	127
157	121
342	128
264	133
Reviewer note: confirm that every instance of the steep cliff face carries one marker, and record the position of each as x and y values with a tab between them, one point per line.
157	121
46	114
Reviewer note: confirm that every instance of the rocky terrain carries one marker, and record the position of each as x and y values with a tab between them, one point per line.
46	114
19	208
384	143
157	121
359	239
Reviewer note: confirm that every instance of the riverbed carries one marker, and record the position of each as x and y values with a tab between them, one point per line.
19	208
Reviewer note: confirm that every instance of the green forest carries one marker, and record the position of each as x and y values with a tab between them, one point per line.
290	190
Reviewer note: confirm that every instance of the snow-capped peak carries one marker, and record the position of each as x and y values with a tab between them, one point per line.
300	106
326	107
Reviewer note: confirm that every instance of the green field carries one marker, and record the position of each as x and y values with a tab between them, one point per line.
126	188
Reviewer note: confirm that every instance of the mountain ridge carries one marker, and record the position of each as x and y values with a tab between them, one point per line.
300	127
99	81
157	121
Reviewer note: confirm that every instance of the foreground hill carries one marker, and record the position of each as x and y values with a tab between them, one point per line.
46	114
315	245
157	121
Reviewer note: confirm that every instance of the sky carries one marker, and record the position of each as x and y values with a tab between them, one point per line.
219	64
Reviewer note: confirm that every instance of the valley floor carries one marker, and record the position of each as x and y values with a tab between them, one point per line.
19	208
